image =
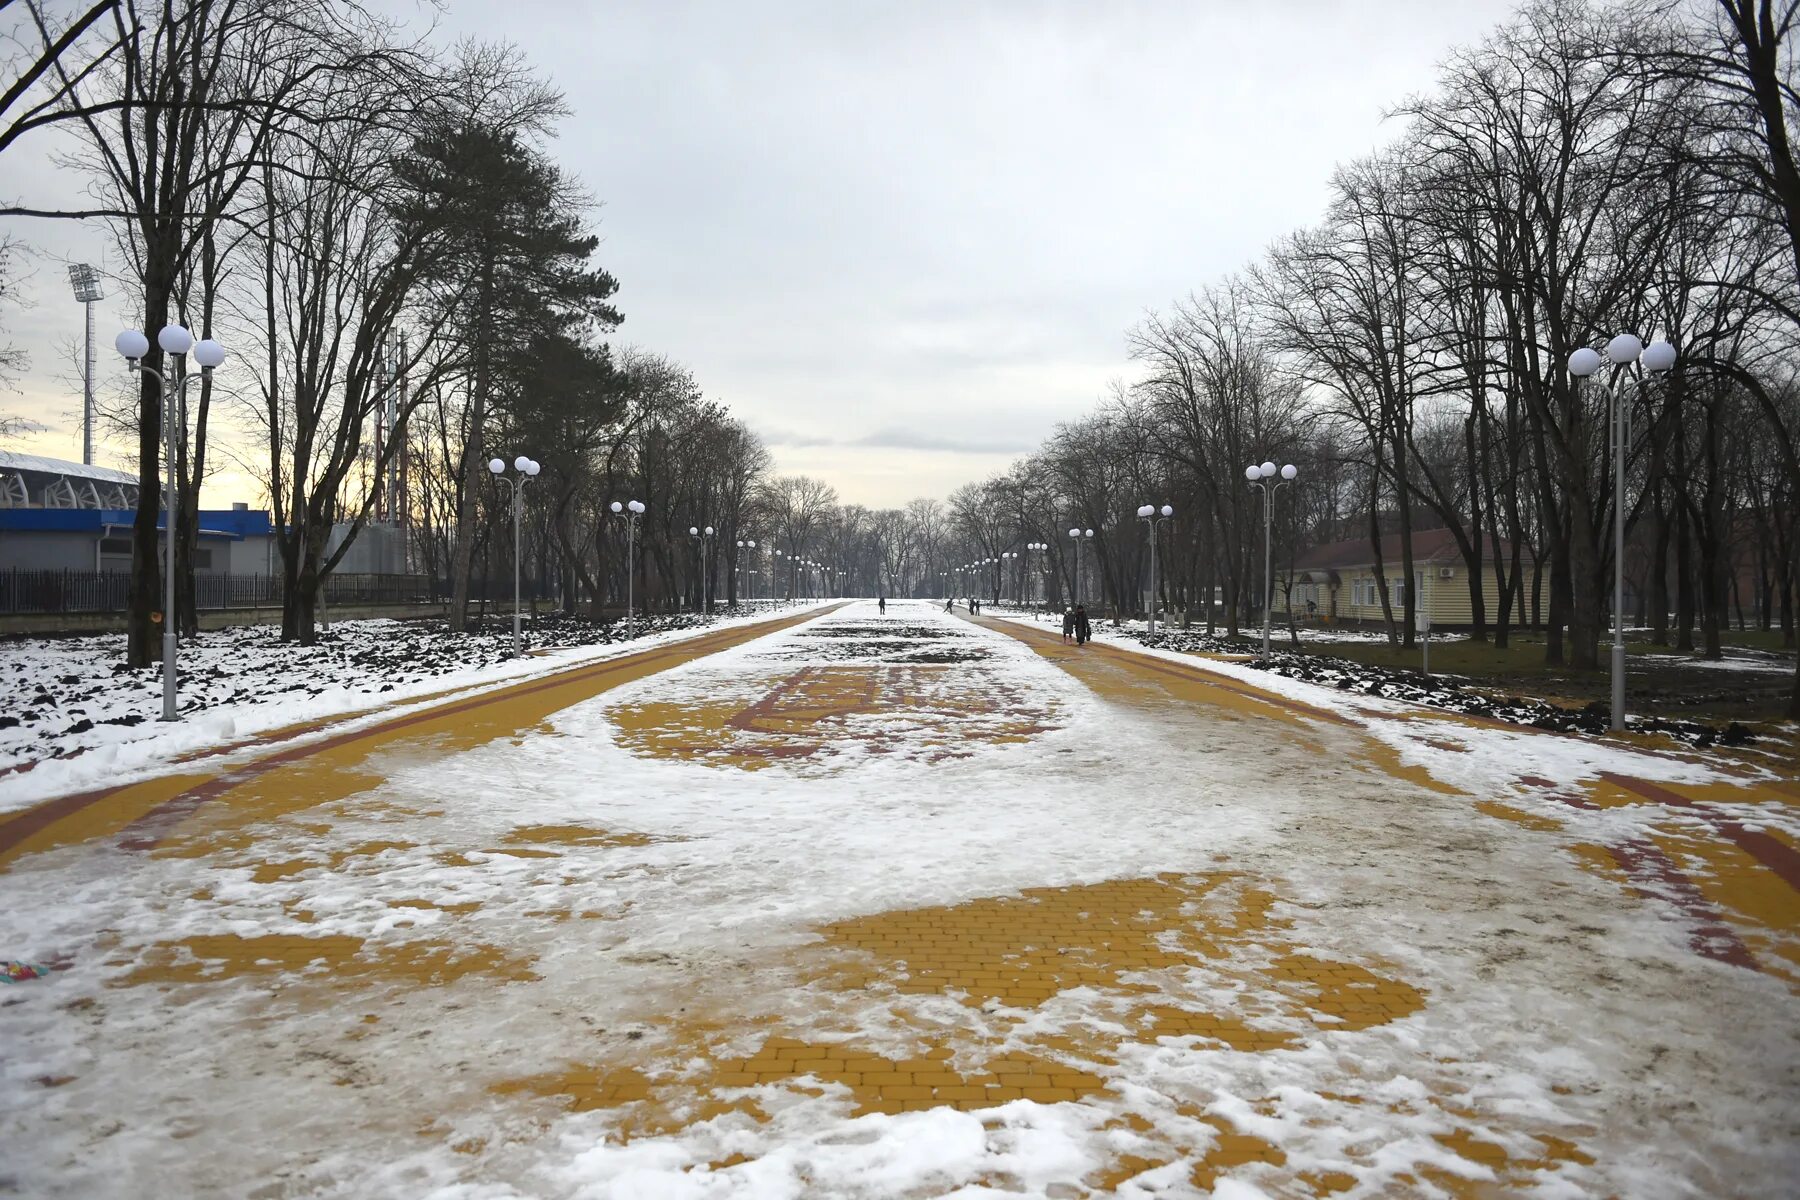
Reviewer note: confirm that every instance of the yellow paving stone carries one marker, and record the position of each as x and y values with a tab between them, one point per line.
327	959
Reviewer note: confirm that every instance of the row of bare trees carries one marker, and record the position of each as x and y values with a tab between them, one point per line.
1586	169
349	208
345	207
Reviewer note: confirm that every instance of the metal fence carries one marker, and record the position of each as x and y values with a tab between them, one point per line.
23	591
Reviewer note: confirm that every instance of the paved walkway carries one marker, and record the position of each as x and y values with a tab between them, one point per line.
677	921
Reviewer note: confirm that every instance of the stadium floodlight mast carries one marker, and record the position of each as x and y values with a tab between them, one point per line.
86	282
527	469
1152	516
177	341
631	510
1263	477
705	537
1656	358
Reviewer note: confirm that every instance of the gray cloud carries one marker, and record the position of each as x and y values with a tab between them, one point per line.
912	236
906	439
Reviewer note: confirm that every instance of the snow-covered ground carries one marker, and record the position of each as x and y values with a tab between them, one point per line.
828	775
72	716
1279	633
1736	659
1448	692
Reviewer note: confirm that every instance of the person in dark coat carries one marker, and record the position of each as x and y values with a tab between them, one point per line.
1082	630
883	603
1068	625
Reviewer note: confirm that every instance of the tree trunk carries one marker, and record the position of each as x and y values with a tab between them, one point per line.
471	454
143	642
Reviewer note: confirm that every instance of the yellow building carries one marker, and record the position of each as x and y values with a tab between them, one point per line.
1336	582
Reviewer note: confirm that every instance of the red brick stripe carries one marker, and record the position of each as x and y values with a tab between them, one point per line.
1654	875
1771	852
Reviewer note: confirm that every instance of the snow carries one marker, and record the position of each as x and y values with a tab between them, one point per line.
1745	660
1556	1002
71	715
1447	692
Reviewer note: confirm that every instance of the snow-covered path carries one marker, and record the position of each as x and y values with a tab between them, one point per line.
899	905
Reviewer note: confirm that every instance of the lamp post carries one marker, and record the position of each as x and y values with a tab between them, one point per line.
133	346
527	471
705	537
631	510
86	282
737	564
1621	352
1078	536
1260	477
1151	516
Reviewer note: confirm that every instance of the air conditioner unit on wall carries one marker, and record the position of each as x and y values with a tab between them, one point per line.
1446	572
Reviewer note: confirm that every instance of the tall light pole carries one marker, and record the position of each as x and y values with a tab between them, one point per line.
1621	352
631	510
527	469
86	282
737	564
177	341
1078	536
1263	477
1151	516
705	537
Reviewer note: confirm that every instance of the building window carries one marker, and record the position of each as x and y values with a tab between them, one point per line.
116	545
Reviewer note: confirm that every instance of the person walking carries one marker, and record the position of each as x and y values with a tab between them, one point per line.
950	604
882	602
1068	625
1082	630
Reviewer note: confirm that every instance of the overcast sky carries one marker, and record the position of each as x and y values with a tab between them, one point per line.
902	240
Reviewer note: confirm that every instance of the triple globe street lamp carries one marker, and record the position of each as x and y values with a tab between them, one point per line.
1152	516
737	563
1263	477
177	341
704	537
632	511
527	469
1078	536
1656	358
1035	548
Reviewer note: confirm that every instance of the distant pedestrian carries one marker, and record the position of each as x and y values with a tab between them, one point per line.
882	602
1082	631
950	605
1068	625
